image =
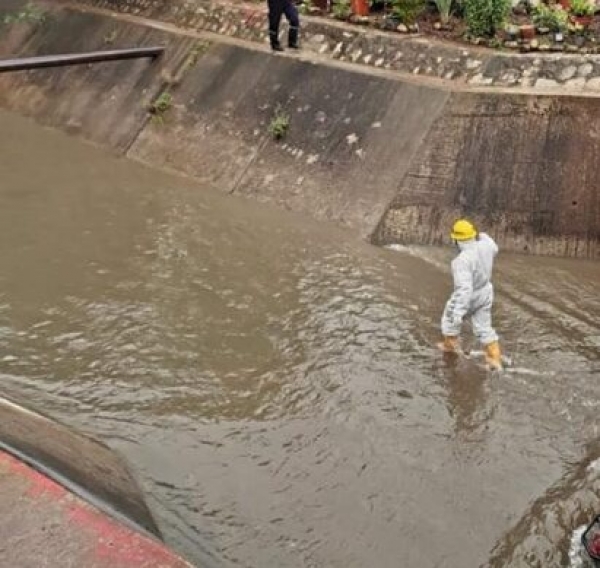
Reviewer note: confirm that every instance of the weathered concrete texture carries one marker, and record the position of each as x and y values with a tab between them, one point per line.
338	160
106	102
460	64
524	167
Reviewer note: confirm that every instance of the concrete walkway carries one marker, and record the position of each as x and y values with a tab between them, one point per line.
454	66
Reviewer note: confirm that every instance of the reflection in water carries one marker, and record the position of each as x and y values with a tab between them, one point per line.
274	382
468	400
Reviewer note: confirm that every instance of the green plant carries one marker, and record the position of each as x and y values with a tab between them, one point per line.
197	51
444	7
306	7
576	29
512	30
342	9
552	17
486	17
31	14
407	11
582	8
160	106
280	124
110	38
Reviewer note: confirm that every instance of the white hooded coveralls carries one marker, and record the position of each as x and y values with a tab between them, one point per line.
473	291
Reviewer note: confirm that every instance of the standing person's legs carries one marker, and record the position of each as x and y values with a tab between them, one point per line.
276	8
482	325
291	13
485	333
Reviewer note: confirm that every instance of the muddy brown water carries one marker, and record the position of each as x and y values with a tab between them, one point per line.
272	380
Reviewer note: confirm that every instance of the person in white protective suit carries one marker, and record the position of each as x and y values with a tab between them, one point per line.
473	294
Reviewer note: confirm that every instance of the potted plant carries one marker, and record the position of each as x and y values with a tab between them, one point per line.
360	7
582	12
550	18
527	32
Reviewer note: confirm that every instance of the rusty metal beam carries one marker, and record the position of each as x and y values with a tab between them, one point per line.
27	63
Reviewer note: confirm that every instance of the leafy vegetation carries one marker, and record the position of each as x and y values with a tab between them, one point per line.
552	18
485	17
280	124
31	14
341	9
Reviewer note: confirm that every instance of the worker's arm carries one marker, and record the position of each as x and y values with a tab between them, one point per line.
458	304
490	242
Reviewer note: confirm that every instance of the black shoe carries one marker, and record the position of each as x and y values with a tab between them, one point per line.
276	47
293	39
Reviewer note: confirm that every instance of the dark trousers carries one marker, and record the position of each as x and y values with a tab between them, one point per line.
276	9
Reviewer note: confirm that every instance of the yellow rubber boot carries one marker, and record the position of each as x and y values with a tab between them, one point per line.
493	355
450	344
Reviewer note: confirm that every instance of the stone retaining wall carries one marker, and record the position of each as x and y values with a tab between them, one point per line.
462	65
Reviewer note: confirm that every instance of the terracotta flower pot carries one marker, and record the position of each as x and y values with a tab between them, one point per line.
566	4
584	21
527	32
360	7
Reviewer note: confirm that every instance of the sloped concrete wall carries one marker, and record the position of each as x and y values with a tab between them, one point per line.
105	103
525	168
396	162
350	139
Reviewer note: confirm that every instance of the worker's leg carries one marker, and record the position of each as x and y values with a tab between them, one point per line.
485	333
450	331
276	8
291	13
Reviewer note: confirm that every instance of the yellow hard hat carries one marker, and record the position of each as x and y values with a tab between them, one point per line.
463	230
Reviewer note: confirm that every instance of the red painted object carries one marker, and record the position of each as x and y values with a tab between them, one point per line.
594	548
43	524
67	500
360	7
583	21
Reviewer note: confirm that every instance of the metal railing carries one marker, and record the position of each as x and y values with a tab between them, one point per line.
27	63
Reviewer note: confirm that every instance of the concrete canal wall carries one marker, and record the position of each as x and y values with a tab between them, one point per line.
390	156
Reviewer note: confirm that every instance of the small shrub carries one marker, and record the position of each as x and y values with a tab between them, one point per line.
552	17
280	124
160	106
582	8
306	7
342	9
485	17
30	14
444	7
407	11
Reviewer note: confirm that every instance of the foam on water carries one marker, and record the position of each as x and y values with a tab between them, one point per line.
577	554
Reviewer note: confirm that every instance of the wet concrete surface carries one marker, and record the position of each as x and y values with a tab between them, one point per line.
274	381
